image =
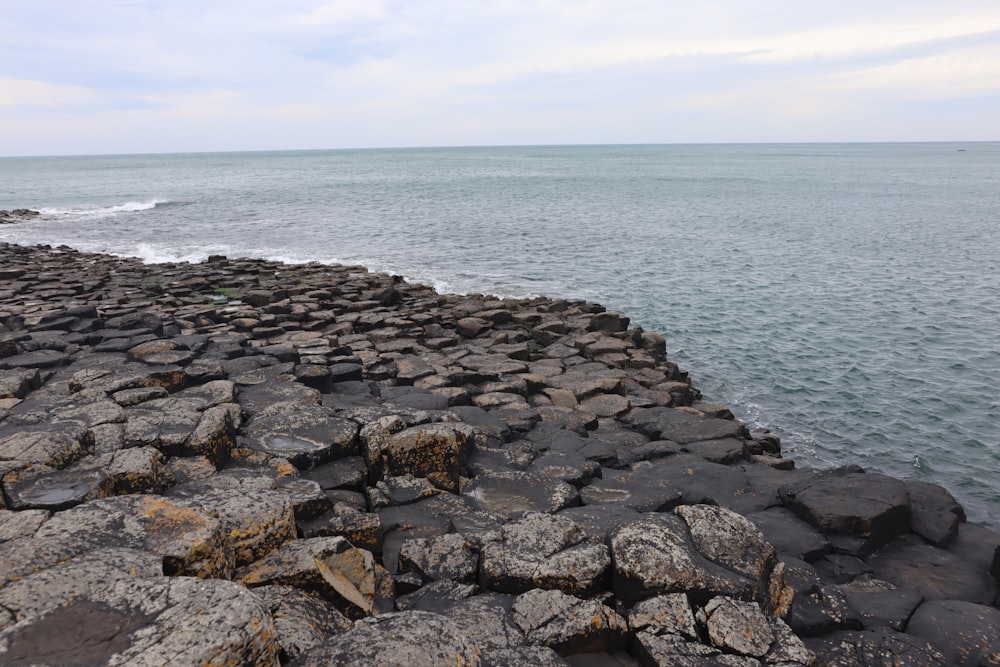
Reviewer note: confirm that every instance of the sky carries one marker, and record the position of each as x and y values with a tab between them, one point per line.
145	76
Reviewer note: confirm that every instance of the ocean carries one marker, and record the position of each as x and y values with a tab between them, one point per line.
844	296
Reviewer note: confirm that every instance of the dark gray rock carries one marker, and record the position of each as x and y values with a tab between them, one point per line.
789	534
305	434
935	514
892	607
866	505
967	634
40	487
938	574
513	494
875	648
682	427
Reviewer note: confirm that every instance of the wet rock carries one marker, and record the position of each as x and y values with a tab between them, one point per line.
682	427
513	494
304	434
789	534
817	608
935	514
892	607
877	648
400	638
635	489
40	487
568	624
330	566
867	505
349	472
543	551
964	632
938	574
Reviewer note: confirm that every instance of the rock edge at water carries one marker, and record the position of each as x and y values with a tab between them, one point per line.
247	462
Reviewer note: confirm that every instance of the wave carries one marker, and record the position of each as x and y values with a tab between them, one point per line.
102	211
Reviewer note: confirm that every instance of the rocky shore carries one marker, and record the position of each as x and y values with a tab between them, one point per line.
242	462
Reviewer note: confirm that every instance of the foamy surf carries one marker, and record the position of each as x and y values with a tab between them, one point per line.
102	211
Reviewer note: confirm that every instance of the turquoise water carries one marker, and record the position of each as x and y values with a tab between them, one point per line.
845	296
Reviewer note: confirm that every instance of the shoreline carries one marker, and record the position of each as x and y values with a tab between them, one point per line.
449	458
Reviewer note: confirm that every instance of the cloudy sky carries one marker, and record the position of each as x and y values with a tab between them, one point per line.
127	76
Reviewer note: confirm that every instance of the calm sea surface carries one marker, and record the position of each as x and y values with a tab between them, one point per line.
845	296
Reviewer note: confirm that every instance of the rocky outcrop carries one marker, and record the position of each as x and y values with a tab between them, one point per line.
245	462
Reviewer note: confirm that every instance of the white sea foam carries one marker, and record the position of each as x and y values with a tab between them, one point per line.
84	213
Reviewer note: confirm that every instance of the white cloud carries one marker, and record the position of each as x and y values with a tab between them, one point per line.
29	94
510	71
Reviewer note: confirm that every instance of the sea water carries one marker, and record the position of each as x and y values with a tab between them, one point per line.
847	297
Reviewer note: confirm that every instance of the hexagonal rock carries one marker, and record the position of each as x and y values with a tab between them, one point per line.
682	427
664	615
738	627
53	444
190	542
934	513
330	566
448	556
400	638
93	614
656	555
543	551
869	505
164	423
303	433
137	470
301	619
254	522
729	539
789	534
435	451
965	633
513	494
41	487
568	624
